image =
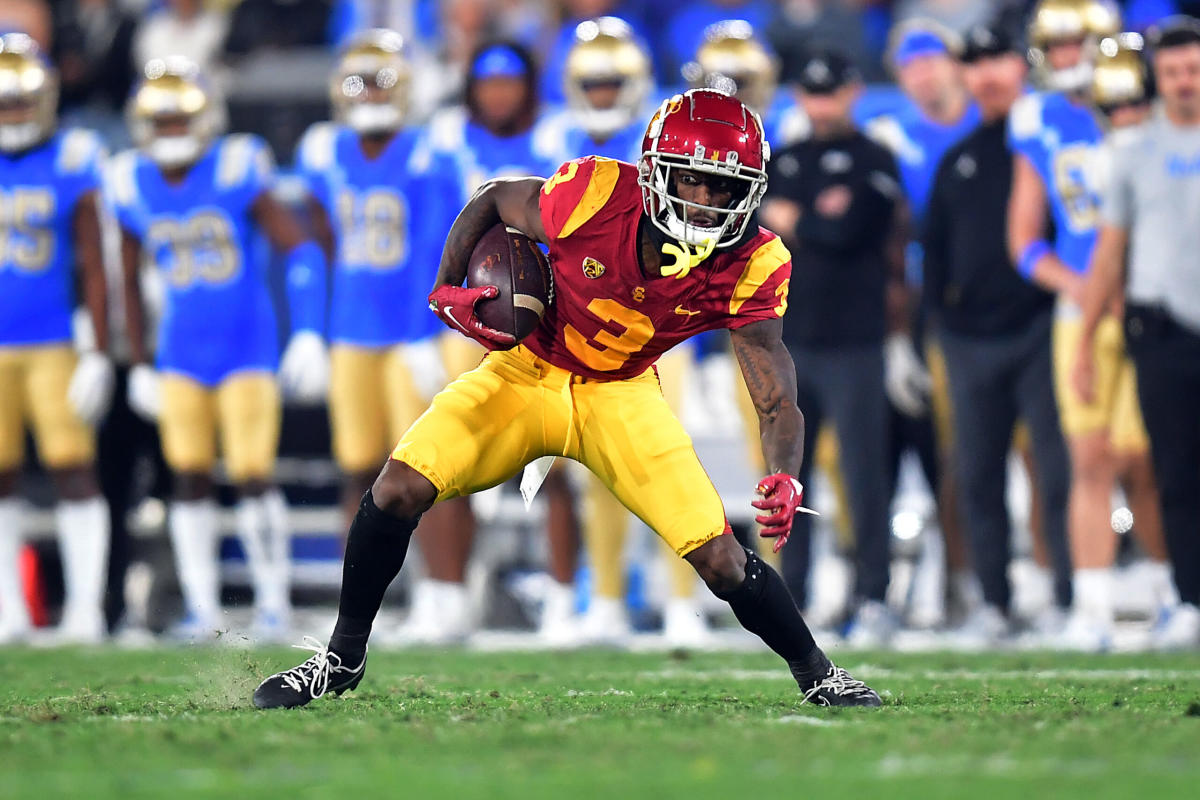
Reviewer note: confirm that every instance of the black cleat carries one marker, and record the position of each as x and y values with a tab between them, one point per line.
837	688
300	685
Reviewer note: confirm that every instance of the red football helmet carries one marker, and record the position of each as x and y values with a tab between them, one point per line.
706	131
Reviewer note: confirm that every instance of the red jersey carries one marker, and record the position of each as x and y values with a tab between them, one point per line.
609	321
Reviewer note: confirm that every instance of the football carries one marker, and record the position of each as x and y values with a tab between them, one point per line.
511	261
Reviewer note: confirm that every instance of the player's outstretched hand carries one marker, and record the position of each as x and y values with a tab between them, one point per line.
144	392
781	497
91	387
455	305
304	369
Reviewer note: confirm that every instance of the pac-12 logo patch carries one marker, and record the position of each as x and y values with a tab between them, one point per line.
592	268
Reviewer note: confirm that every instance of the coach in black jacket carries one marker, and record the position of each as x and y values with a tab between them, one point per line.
835	199
995	333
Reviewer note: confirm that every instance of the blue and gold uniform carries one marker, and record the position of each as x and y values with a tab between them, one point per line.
40	189
1064	142
218	342
389	218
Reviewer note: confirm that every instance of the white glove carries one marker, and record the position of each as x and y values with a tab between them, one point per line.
90	391
905	378
144	392
424	360
304	370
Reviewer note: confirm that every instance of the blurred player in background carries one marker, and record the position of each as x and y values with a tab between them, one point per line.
924	58
1147	255
675	232
836	201
1056	137
49	240
381	204
733	59
492	134
196	205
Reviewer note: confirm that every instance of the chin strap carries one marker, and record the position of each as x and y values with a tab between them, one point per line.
685	257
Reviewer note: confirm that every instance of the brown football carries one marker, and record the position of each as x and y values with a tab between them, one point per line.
512	262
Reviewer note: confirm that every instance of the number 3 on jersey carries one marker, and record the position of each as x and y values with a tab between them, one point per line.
611	350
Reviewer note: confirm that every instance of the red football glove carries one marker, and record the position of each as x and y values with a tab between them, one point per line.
781	496
455	305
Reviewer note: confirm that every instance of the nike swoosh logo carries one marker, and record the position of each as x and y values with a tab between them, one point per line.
446	310
683	311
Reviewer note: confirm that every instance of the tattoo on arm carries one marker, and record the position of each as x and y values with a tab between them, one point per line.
771	379
512	201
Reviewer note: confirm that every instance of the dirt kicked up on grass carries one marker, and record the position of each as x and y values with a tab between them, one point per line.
178	723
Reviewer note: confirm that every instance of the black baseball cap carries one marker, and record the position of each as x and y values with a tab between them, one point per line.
1174	31
826	71
985	41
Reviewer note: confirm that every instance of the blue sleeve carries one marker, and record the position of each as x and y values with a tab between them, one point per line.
314	159
121	193
79	165
307	280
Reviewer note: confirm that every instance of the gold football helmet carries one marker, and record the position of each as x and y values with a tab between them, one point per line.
1119	76
370	86
173	113
1085	21
28	94
731	59
606	53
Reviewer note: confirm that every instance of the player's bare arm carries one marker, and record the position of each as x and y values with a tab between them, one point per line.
135	315
771	379
91	265
1101	288
513	201
1027	209
899	294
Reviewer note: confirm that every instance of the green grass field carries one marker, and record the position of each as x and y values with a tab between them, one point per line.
178	723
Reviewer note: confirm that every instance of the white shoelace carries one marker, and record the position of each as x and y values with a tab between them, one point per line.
839	682
314	672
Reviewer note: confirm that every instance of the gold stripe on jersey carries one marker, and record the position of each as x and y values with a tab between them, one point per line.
600	187
761	265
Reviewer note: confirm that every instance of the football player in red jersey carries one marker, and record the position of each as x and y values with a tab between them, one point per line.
643	257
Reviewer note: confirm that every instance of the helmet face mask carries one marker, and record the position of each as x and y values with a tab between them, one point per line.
173	114
607	76
369	90
28	94
711	134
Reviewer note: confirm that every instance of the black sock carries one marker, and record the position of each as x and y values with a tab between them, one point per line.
765	607
375	551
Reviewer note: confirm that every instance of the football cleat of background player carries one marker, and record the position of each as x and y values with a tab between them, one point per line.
1076	23
607	76
731	59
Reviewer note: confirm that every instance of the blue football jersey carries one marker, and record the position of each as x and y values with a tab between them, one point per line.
1063	141
390	217
568	140
201	237
39	190
480	155
919	144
